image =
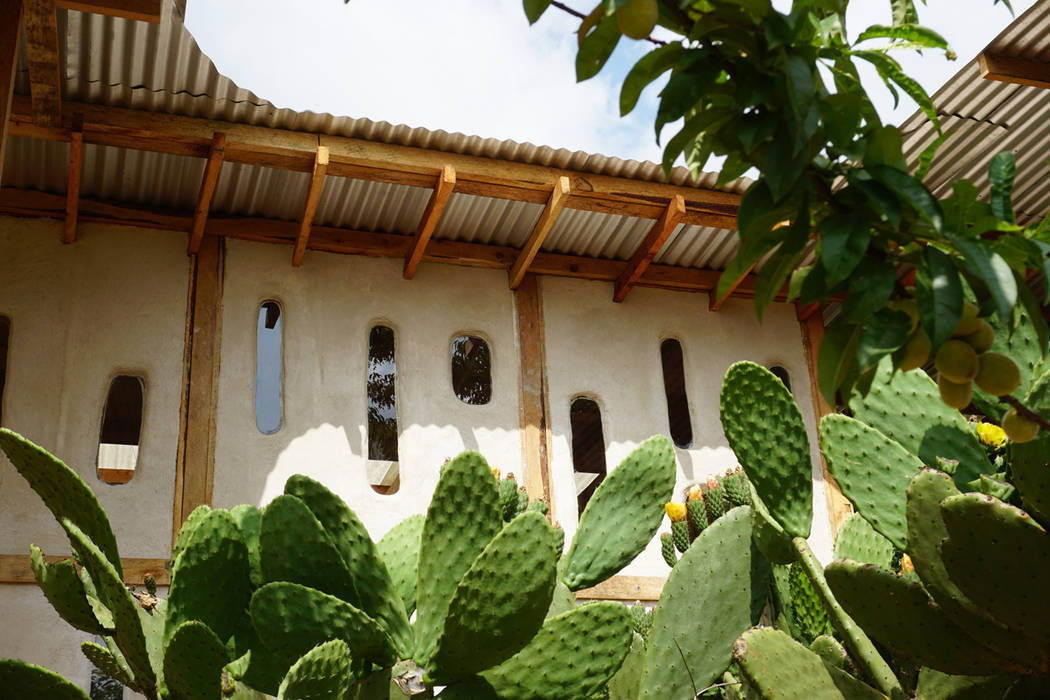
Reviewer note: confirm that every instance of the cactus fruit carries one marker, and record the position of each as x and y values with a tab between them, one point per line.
675	512
694	493
680	535
322	672
667	549
736	488
508	498
715	502
696	512
641	619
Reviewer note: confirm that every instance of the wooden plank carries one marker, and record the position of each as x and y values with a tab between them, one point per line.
313	196
649	247
208	183
194	472
555	203
1010	69
140	10
715	303
10	29
45	84
446	182
812	334
76	163
535	431
625	588
15	568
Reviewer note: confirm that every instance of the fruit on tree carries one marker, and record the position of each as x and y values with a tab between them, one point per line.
998	374
637	18
957	361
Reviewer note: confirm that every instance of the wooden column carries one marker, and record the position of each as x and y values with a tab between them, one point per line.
812	327
195	463
10	28
76	164
535	430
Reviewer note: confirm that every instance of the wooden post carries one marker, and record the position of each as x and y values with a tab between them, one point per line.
76	164
812	334
195	462
10	28
535	431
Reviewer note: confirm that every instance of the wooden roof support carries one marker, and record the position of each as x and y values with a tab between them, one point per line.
645	253
45	84
10	29
76	163
716	303
141	10
446	182
555	203
208	183
1009	69
313	196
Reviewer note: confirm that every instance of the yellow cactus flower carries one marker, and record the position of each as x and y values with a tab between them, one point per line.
695	493
495	472
675	511
906	566
991	434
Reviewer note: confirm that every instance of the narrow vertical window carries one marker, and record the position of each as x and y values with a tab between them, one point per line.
104	686
782	375
471	370
383	472
674	388
269	410
588	448
5	333
118	442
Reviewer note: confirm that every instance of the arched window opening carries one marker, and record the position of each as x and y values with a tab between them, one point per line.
782	375
471	370
269	409
5	333
674	388
118	442
588	448
104	686
383	472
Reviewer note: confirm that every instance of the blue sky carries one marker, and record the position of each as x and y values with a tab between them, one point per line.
475	66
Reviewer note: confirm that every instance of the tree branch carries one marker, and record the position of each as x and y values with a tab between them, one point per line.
579	15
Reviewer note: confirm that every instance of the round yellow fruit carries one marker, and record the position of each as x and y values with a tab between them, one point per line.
981	339
957	362
916	352
955	395
998	374
637	18
969	321
1018	428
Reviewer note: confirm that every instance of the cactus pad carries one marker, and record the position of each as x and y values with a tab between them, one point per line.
858	540
765	429
462	518
831	652
23	680
249	519
873	472
64	493
500	602
323	672
769	537
807	610
399	550
627	682
578	652
694	626
193	662
1030	462
104	660
186	531
622	515
65	591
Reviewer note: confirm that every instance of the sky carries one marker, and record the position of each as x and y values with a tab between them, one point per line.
476	67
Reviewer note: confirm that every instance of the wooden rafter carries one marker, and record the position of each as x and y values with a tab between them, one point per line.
45	84
381	162
650	246
208	183
313	196
10	29
446	182
1010	69
716	302
76	164
141	10
555	203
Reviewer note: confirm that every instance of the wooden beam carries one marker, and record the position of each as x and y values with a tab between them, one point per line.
535	431
195	460
381	162
10	29
555	203
208	183
1010	69
15	568
715	303
313	196
446	182
45	83
625	588
140	10
812	334
649	247
76	163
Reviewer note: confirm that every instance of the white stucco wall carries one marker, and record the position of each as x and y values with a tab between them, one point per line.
611	353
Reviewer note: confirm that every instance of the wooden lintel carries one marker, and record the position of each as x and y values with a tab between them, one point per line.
650	246
625	588
535	431
313	196
1011	69
15	568
446	182
76	162
715	302
45	84
555	203
208	184
10	29
140	10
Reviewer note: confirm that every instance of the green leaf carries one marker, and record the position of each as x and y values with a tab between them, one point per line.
883	333
733	167
754	128
801	85
685	88
939	295
798	278
1031	305
883	147
836	355
648	68
990	267
929	153
844	239
841	113
692	130
1001	175
903	12
880	198
870	288
596	48
914	33
778	267
912	191
783	165
535	8
891	73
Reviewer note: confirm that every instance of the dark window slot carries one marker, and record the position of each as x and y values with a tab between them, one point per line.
471	370
782	375
269	409
382	409
121	430
588	449
674	388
